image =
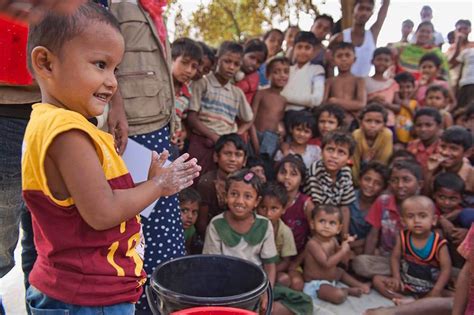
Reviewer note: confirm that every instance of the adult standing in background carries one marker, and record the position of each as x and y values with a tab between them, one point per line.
146	90
426	15
365	41
408	57
461	63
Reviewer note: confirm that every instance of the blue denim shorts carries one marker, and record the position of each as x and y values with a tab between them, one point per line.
41	304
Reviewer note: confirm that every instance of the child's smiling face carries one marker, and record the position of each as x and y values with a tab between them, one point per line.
242	199
371	184
301	134
81	76
447	200
403	184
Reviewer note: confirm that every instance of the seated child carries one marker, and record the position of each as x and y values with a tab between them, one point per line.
189	200
345	90
255	53
373	139
464	297
329	180
373	180
427	127
420	262
186	55
408	105
430	65
208	62
84	204
272	206
239	232
230	156
291	172
406	180
454	144
301	128
207	120
269	108
329	117
380	89
256	165
322	255
436	97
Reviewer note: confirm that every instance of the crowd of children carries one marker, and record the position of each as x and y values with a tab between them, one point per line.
322	180
364	181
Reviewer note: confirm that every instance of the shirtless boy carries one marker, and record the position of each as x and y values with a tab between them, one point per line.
345	90
323	254
269	108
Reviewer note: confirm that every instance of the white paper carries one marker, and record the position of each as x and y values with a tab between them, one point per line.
138	158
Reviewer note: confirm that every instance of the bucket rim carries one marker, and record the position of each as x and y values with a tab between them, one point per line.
209	301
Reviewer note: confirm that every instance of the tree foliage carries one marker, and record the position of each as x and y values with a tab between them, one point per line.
240	19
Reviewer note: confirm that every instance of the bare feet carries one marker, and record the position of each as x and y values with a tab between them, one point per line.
380	311
404	300
354	291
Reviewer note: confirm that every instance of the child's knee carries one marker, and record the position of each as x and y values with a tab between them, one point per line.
297	283
284	279
337	296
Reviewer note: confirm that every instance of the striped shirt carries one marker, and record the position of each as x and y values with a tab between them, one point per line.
219	105
322	190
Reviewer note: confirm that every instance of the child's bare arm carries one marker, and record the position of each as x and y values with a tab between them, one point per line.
461	297
75	160
308	209
298	261
452	100
327	89
371	241
320	256
283	265
195	124
346	220
377	26
395	262
270	270
445	271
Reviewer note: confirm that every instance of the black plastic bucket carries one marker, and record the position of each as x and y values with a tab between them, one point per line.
207	280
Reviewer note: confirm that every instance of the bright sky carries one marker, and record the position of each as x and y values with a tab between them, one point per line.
445	14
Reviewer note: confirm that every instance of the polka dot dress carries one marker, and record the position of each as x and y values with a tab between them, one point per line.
163	230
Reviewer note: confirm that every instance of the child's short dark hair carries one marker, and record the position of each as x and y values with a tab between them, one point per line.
406	155
425	23
230	137
409	22
405	77
303	118
458	135
273	30
186	47
230	47
437	88
377	167
448	180
411	166
429	111
374	108
189	195
306	37
253	161
256	45
325	17
463	22
297	161
343	45
274	61
208	52
356	2
339	138
434	58
382	51
276	190
56	29
247	176
332	110
329	209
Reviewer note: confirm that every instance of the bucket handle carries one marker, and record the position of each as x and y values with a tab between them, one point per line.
270	299
152	300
